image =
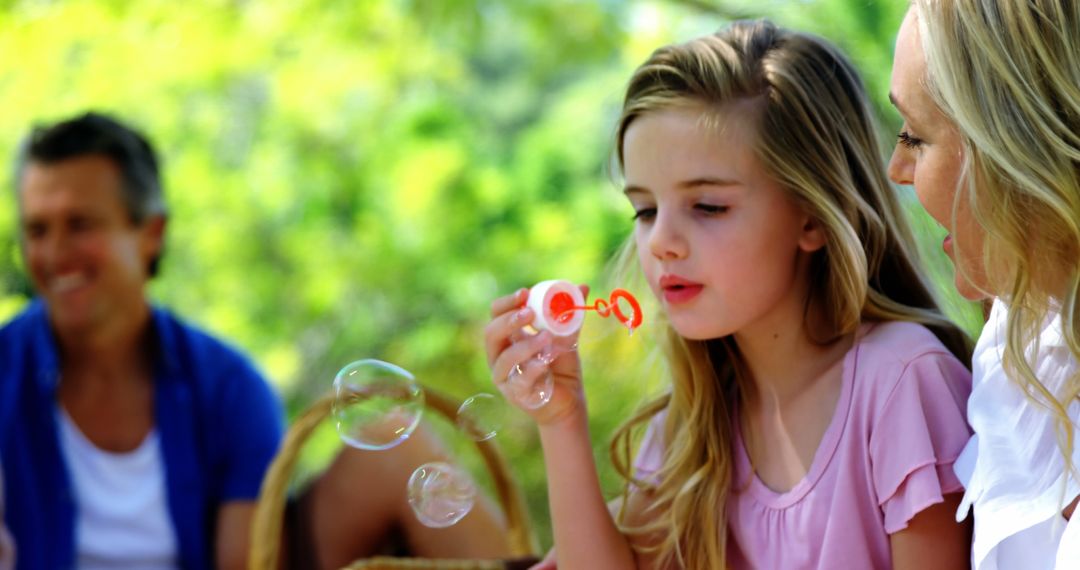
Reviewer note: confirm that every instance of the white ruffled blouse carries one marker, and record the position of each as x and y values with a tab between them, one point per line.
1014	474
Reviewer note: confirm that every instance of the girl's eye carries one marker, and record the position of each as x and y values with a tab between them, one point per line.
644	214
908	141
710	209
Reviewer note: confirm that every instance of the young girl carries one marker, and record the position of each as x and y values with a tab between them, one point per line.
990	99
817	399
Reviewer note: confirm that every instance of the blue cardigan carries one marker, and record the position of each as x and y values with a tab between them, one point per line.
218	421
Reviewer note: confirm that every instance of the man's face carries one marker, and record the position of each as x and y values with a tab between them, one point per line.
86	258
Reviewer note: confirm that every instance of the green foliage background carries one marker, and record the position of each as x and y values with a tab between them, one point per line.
360	179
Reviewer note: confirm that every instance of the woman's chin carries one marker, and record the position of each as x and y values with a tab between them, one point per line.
970	291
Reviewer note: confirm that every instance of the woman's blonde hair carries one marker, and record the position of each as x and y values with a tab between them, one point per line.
1007	73
816	135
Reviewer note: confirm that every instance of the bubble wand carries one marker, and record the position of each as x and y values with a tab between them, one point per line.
560	307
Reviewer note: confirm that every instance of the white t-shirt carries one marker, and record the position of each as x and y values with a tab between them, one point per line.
122	516
1012	468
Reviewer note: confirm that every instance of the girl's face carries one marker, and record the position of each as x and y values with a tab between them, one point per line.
929	156
721	243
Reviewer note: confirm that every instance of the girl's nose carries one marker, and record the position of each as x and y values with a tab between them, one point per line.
666	240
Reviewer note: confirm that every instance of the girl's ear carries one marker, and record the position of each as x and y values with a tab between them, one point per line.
813	235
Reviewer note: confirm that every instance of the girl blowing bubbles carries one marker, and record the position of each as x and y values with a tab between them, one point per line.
817	397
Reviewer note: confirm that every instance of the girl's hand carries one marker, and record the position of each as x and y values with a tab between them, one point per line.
520	362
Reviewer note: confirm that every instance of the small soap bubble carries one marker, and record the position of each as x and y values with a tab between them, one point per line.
440	494
481	416
548	354
558	347
516	372
377	405
530	393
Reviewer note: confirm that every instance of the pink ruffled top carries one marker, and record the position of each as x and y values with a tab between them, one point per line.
887	454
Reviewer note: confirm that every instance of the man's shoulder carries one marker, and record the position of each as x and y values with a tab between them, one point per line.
192	355
215	372
22	325
24	355
190	345
22	338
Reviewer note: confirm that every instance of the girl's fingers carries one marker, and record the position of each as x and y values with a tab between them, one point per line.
505	314
499	333
511	301
526	383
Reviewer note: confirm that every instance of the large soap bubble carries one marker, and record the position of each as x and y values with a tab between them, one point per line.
481	416
377	405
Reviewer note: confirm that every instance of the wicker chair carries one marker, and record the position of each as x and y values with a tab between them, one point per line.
269	512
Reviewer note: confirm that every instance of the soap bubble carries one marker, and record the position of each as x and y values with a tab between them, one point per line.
440	494
481	416
377	405
530	393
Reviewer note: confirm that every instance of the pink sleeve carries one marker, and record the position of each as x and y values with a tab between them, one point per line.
650	455
917	436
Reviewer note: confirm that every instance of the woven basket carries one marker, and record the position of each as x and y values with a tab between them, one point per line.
269	511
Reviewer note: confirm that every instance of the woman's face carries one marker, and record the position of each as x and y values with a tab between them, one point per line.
929	156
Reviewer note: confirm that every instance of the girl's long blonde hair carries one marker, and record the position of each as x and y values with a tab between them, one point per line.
1007	73
817	137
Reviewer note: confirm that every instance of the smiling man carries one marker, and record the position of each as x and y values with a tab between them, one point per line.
132	440
129	438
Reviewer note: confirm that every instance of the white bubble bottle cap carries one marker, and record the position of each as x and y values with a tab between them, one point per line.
558	306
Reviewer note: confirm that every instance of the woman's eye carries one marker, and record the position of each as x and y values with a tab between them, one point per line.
644	213
710	208
908	141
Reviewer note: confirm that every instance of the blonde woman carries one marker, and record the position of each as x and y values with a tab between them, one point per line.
817	397
990	95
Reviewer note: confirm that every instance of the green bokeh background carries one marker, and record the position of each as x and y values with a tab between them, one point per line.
360	179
